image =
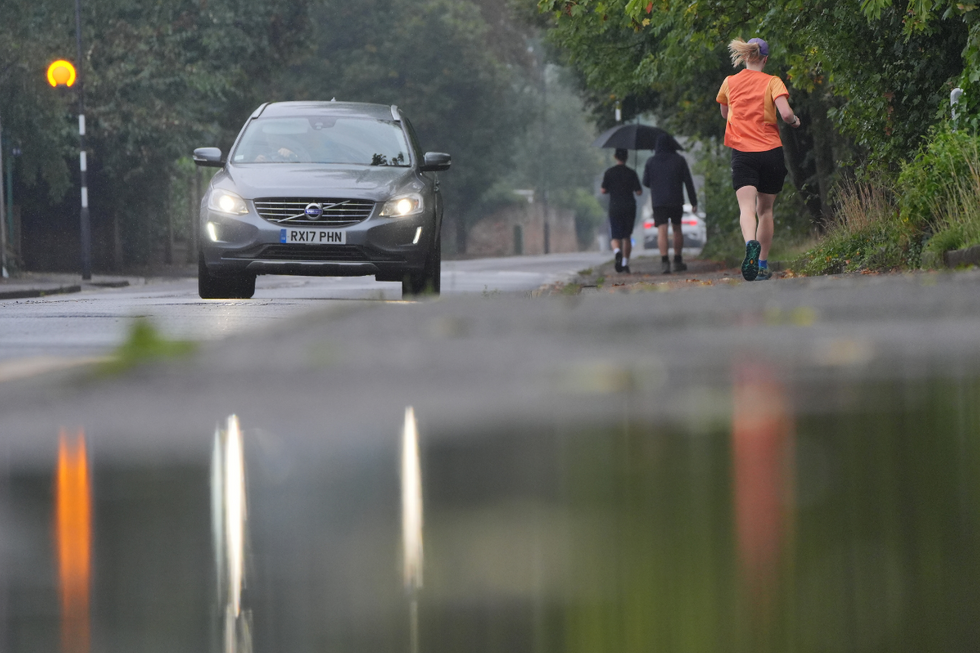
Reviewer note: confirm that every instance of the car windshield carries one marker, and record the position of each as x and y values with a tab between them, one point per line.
323	139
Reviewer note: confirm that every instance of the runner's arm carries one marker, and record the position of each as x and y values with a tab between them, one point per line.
789	117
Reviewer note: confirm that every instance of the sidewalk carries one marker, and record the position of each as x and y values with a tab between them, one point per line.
646	275
27	285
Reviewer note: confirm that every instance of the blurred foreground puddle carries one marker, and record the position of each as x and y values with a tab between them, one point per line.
772	528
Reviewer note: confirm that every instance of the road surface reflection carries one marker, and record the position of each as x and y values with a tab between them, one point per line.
775	528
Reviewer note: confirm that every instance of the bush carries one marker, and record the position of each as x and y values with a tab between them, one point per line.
948	169
867	233
931	207
931	181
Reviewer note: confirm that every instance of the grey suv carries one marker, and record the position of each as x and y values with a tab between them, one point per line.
321	189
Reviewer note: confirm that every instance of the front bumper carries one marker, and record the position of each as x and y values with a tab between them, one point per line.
387	248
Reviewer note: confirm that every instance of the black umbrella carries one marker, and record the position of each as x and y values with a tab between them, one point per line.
631	137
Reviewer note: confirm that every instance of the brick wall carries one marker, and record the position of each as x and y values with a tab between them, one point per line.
494	235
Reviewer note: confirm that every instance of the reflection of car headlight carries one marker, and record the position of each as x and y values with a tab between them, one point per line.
400	207
225	201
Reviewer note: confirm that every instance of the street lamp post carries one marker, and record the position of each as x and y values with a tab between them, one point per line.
3	217
84	223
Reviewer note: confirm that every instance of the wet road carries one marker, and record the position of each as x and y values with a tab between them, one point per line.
92	323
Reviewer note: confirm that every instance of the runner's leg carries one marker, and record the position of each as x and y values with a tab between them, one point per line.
662	239
747	196
766	226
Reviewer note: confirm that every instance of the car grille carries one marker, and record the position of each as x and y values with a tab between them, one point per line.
336	212
313	253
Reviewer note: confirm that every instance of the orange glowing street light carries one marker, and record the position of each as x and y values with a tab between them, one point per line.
60	73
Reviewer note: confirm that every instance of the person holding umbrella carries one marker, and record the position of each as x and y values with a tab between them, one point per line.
621	183
749	102
666	174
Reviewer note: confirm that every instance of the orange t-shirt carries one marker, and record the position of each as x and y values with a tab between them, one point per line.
751	99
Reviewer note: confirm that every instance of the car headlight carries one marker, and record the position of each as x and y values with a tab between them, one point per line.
399	207
225	201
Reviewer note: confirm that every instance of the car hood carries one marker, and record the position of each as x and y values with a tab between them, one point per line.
375	183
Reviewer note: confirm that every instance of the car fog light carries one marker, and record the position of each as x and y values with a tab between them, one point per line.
418	234
213	232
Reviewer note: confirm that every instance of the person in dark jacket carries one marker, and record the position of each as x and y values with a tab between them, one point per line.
621	183
666	174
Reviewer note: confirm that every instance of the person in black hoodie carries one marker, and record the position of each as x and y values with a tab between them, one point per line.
666	174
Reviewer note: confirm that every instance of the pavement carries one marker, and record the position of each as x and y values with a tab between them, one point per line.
41	284
32	284
646	275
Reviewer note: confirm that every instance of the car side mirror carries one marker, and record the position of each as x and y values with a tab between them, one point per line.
436	162
208	157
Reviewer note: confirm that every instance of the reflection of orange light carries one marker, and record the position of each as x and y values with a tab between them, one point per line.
762	434
74	542
61	72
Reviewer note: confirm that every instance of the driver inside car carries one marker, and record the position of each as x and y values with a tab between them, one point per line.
274	150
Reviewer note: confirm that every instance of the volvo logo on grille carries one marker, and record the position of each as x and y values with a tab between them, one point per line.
313	211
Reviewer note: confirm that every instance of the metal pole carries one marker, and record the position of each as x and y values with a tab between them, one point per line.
84	224
544	160
11	233
3	217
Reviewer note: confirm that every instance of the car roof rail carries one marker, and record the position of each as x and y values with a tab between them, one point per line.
258	112
395	114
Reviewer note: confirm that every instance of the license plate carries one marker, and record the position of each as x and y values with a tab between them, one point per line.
313	236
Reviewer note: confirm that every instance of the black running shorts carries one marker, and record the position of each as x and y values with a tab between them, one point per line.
764	170
665	214
621	224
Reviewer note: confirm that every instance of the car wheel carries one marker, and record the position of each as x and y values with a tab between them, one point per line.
429	280
211	287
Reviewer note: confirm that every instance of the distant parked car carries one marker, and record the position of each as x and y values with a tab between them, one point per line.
321	189
693	226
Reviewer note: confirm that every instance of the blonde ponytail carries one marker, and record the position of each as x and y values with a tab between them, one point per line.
743	52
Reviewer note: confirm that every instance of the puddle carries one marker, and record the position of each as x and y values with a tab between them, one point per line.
765	527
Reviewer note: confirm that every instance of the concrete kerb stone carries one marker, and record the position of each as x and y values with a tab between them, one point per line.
957	257
34	286
29	293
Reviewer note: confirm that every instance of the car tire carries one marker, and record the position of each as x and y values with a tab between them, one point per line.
211	287
429	280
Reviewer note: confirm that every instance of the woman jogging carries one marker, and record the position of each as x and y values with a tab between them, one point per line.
749	101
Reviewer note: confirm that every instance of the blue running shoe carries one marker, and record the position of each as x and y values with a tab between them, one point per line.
764	274
750	265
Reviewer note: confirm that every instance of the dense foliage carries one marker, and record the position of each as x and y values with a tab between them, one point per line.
165	77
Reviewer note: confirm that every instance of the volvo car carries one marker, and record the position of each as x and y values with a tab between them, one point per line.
321	189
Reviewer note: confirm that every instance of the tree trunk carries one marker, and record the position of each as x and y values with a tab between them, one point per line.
795	153
823	154
117	246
